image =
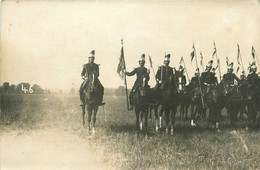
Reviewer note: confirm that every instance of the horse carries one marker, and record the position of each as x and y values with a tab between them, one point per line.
91	101
184	102
153	105
168	102
196	103
141	105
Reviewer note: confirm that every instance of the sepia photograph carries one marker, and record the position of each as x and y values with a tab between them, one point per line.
120	84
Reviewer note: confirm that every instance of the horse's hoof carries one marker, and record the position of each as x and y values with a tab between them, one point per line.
247	128
166	131
219	131
156	129
172	132
93	131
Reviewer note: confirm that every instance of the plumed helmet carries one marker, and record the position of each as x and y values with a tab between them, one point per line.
92	54
142	58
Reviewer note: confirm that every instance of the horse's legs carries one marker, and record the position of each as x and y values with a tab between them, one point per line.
94	118
160	119
167	115
146	120
193	112
83	114
89	116
156	119
137	117
182	111
141	122
173	119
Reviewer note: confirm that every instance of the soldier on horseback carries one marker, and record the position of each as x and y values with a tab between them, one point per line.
181	82
252	76
164	72
229	78
194	83
90	73
141	72
208	78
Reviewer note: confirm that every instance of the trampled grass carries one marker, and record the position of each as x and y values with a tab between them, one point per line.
124	147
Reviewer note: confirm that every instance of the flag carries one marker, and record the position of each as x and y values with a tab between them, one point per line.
238	54
121	64
192	54
227	61
201	59
253	52
215	50
150	60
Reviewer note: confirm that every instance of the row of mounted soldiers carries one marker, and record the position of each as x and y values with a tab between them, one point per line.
204	82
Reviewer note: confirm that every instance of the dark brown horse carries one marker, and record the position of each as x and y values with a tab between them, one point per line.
91	102
141	105
168	102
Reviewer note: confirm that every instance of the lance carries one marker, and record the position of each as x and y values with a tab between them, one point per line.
126	90
219	69
201	62
151	66
185	68
255	56
239	54
202	101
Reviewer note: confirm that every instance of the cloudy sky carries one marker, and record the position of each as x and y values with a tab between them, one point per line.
47	42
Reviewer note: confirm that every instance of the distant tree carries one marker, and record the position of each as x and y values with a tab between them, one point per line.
60	92
12	88
1	89
23	87
37	89
120	91
6	87
72	91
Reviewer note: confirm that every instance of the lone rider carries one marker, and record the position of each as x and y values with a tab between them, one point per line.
164	72
141	72
229	78
90	73
181	82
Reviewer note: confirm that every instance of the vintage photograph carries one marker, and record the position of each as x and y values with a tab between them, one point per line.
129	84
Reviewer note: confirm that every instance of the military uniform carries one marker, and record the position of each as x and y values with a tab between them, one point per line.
209	78
163	73
90	72
181	80
229	78
252	79
141	72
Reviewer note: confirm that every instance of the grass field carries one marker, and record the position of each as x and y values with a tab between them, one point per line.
122	146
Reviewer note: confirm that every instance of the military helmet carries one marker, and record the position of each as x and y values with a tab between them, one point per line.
253	67
92	54
197	73
181	67
230	67
142	59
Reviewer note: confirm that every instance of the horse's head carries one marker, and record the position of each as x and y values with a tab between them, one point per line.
143	88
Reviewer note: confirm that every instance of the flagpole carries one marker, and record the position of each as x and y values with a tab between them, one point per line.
151	66
185	69
219	69
202	65
126	90
255	58
202	101
241	58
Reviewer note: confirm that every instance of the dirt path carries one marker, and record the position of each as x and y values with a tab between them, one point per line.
50	149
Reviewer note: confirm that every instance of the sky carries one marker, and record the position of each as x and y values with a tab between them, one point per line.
47	42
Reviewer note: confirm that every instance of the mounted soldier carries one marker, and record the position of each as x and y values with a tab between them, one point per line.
164	72
90	74
208	78
252	76
141	73
194	83
229	78
181	78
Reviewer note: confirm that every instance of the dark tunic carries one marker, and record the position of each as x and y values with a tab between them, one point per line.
229	78
182	78
141	72
163	73
208	78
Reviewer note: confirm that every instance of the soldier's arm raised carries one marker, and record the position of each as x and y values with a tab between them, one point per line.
131	73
